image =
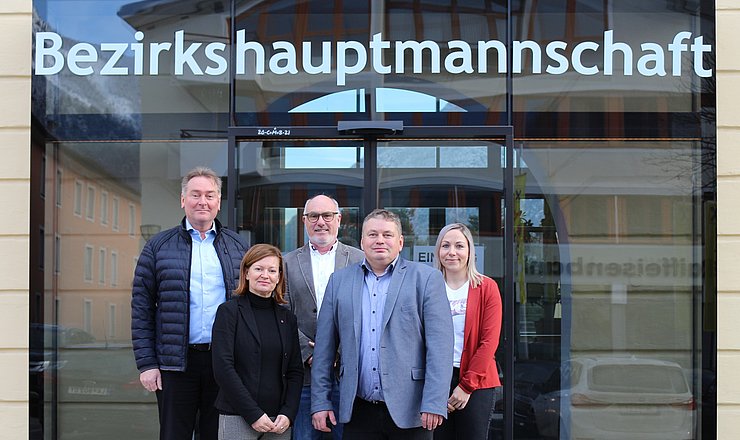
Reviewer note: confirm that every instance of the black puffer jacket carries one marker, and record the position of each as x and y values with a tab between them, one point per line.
160	301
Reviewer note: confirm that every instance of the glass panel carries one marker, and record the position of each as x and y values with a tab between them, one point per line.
276	178
428	195
81	356
610	234
407	157
143	84
320	158
297	61
609	269
627	68
393	100
463	157
349	101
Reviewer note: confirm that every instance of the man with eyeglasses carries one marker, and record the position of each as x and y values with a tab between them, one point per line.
307	272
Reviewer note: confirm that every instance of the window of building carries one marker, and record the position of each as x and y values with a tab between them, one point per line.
115	214
104	207
90	203
41	248
102	252
58	187
113	268
112	321
87	315
131	220
88	264
42	178
78	198
57	254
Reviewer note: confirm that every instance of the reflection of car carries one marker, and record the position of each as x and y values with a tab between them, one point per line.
100	395
532	378
611	397
96	385
100	372
41	337
42	364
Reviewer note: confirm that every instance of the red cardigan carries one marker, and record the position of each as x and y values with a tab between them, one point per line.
481	336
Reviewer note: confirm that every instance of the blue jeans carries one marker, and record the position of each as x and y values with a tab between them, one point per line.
303	428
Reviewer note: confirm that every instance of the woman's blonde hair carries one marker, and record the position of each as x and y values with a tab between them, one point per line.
253	255
474	276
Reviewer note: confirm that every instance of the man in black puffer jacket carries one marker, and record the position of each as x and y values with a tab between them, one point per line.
182	276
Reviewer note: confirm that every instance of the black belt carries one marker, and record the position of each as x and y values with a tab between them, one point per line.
200	347
371	402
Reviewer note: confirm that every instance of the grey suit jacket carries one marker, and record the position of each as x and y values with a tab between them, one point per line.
416	344
301	295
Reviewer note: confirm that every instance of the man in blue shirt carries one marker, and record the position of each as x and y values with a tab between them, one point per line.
182	276
390	320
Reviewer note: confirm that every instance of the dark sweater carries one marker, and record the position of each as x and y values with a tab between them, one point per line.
272	350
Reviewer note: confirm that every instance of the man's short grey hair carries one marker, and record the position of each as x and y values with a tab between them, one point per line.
336	204
201	172
385	215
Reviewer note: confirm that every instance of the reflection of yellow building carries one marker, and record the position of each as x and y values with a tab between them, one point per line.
92	248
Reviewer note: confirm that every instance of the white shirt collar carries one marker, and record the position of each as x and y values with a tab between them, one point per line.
331	250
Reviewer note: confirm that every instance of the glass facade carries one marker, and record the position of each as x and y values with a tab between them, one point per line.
594	216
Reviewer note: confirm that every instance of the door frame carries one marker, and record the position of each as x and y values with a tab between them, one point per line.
371	132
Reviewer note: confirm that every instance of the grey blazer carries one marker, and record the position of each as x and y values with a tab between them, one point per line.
301	295
416	344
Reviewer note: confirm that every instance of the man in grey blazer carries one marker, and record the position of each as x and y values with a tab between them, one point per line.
307	272
391	321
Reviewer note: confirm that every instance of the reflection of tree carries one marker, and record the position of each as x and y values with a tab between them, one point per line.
349	229
526	228
405	215
703	164
474	224
349	234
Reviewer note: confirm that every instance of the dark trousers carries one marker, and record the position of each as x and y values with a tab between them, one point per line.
472	422
188	394
372	421
302	426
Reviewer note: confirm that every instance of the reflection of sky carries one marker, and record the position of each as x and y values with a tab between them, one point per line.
321	157
401	157
387	99
462	215
91	21
390	99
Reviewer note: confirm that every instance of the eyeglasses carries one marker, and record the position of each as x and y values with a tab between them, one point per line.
313	217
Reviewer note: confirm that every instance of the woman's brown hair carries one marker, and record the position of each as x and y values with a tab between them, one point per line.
253	255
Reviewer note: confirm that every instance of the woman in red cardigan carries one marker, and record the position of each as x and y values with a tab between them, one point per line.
476	308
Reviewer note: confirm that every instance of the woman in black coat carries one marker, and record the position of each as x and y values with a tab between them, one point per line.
256	356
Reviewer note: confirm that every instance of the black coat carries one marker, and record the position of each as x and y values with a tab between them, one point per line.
160	301
236	360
